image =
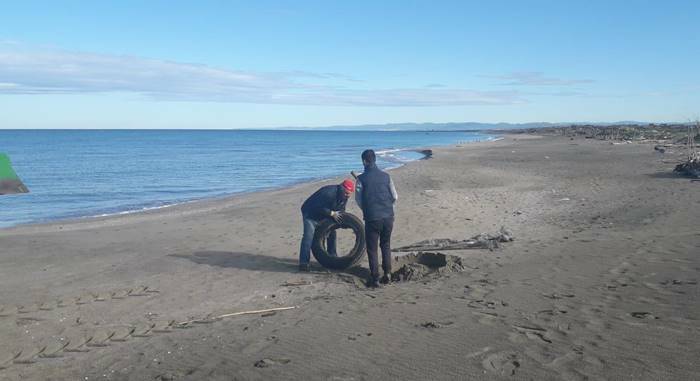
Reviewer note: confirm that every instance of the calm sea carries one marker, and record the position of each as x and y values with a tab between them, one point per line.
79	173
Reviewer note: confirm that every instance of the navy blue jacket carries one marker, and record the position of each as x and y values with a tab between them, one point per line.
325	200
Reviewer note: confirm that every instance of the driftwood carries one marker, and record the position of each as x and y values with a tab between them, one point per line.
690	168
661	133
211	319
481	241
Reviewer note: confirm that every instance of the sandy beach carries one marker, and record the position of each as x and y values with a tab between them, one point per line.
601	281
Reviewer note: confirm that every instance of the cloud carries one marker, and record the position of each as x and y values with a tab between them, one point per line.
560	93
52	71
412	97
534	78
307	74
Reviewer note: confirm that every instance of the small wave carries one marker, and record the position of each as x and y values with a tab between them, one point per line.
398	155
130	211
385	152
395	158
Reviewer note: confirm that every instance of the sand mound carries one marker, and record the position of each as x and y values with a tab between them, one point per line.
424	264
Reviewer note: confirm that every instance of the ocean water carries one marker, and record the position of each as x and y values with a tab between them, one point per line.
83	173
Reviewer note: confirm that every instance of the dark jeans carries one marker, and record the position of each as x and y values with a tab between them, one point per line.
379	232
308	237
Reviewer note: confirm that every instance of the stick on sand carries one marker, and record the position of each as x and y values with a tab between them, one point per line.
236	314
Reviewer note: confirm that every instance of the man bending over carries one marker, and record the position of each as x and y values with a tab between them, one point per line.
327	202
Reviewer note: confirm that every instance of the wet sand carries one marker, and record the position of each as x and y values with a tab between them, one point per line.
601	281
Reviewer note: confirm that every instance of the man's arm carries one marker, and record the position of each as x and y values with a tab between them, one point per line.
343	204
326	199
394	195
358	193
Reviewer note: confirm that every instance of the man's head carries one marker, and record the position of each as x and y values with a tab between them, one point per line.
368	157
348	187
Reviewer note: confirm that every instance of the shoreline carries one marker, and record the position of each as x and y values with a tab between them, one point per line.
203	202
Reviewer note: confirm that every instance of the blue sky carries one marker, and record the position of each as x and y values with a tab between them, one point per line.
259	64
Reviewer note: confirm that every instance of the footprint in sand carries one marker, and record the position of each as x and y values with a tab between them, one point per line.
101	338
489	304
26	320
677	282
488	317
502	363
29	355
533	332
622	268
142	329
31	308
265	363
477	291
54	348
478	353
122	333
7	356
435	324
643	315
556	295
6	311
28	309
551	312
77	342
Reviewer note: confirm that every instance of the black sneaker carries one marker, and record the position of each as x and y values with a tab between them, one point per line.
386	279
372	282
304	267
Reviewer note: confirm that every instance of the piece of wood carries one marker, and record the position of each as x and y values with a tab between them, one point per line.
237	314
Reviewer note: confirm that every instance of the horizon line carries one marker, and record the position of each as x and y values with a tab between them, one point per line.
351	126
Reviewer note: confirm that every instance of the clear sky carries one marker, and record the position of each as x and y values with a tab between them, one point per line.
258	64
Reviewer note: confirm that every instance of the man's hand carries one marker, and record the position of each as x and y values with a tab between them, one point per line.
337	216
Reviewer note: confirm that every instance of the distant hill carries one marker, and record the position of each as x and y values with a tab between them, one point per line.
457	126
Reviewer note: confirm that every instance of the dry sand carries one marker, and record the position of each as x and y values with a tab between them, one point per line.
600	283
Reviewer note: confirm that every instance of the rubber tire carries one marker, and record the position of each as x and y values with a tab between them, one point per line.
324	228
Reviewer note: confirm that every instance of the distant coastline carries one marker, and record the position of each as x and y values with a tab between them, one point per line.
461	126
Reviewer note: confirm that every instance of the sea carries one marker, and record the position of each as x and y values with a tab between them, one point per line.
90	173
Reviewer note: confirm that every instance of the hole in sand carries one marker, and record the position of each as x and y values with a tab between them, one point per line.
420	265
410	267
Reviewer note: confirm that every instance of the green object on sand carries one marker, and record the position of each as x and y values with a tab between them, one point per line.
9	181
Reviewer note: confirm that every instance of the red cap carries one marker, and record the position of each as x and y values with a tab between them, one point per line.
349	185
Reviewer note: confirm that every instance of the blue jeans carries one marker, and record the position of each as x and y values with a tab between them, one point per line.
308	237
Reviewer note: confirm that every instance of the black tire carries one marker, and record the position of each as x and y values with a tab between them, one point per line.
341	262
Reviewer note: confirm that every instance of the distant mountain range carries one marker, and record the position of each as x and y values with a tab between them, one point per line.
458	126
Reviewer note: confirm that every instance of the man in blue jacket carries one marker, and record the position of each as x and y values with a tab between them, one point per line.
376	195
327	202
